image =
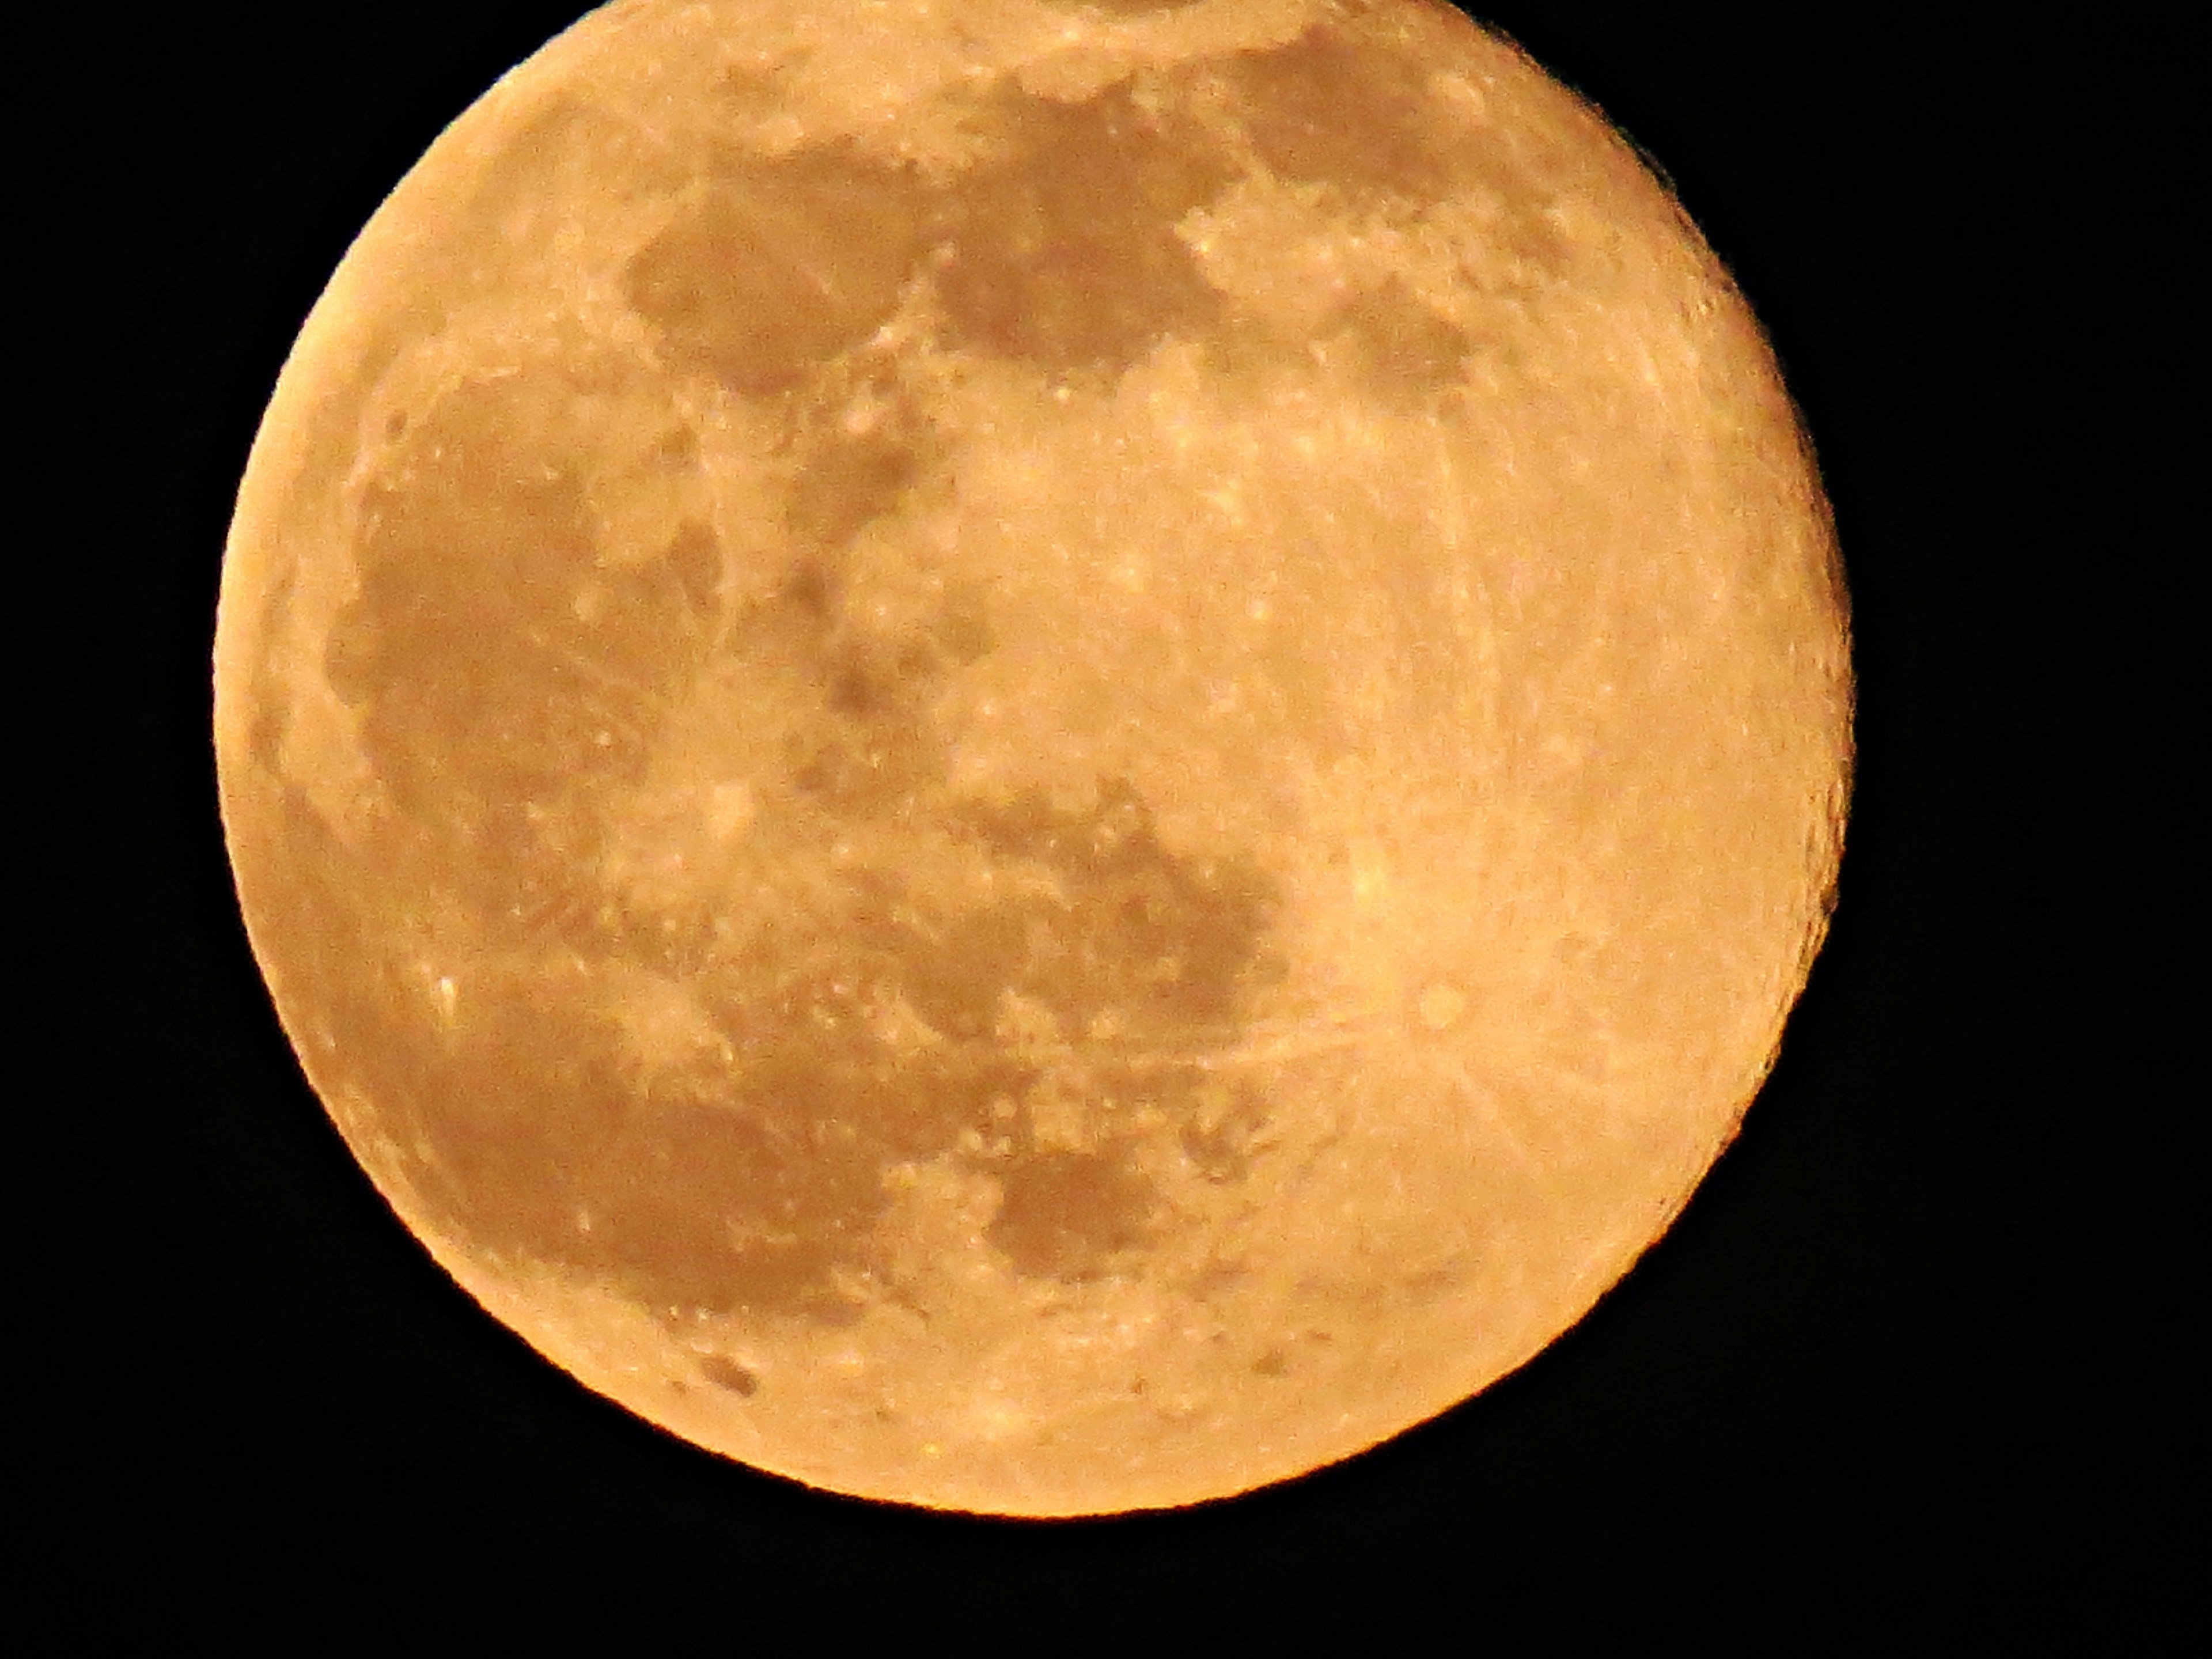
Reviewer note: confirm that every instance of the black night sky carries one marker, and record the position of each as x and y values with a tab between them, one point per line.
1898	1368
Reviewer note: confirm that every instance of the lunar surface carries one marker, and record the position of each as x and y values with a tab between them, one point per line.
1031	756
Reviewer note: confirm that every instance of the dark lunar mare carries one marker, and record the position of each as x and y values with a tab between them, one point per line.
503	718
503	714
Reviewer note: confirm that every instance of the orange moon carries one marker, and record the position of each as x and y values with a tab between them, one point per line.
1027	757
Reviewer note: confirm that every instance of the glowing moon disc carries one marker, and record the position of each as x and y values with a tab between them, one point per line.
1036	758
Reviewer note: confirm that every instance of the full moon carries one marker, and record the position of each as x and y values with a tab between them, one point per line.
1033	756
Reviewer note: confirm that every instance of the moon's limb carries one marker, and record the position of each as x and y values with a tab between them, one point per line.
1041	758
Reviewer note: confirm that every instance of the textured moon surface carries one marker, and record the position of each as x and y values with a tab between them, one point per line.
1033	757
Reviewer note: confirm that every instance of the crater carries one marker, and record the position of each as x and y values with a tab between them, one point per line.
728	1374
1220	1124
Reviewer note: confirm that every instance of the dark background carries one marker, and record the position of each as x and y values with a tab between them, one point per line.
1905	1358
